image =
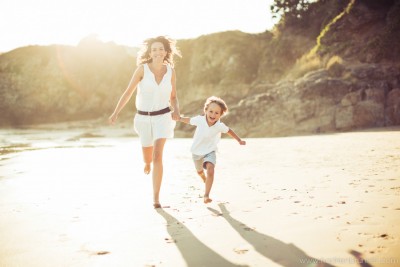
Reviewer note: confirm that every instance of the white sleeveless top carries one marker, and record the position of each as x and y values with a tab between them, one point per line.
150	95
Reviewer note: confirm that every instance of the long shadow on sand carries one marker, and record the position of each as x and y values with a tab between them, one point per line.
287	255
192	249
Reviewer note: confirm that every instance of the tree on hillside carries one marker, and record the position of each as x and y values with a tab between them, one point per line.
289	9
311	15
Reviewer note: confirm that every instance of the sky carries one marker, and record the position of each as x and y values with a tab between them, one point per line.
125	22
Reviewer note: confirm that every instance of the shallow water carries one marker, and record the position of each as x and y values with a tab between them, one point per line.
62	135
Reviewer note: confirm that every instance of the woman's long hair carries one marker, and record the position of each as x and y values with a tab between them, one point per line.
169	46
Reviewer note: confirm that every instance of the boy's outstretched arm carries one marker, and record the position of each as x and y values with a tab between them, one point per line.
235	136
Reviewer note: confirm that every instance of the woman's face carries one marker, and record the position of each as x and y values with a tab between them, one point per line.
213	113
157	52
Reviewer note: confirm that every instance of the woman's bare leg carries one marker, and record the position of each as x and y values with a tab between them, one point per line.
209	182
157	170
147	158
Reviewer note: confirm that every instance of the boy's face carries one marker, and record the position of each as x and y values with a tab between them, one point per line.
213	113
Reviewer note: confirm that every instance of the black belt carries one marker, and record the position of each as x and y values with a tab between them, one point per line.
153	113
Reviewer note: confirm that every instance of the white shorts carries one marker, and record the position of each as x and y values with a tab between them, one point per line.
151	128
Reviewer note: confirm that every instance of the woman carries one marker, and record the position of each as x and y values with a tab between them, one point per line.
156	103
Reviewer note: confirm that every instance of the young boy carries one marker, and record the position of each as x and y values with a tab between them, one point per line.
206	138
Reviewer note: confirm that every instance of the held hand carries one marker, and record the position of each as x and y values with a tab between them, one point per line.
241	142
176	116
112	118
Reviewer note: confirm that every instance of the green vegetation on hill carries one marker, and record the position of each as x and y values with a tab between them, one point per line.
328	66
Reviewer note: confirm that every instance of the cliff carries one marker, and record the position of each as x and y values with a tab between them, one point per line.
337	71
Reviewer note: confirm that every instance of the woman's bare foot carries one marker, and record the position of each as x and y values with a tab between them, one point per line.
202	176
147	168
207	199
157	205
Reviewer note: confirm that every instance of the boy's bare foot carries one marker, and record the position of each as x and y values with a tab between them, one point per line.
202	176
147	168
207	199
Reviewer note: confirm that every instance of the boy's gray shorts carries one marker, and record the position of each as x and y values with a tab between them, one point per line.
200	160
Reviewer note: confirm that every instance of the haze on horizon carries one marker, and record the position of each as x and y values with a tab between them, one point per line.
46	22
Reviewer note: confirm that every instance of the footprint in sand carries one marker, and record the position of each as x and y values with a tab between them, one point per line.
384	236
101	253
94	252
170	240
241	249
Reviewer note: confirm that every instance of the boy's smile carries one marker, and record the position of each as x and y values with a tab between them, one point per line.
213	113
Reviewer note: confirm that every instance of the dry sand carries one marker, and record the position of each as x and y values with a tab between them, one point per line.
80	198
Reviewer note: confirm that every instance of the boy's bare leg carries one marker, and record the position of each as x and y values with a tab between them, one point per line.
147	158
202	175
209	182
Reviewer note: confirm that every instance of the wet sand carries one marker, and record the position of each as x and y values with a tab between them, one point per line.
78	197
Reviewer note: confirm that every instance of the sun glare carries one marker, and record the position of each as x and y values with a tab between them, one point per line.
47	22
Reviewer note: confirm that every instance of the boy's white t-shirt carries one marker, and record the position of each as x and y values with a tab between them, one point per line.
206	138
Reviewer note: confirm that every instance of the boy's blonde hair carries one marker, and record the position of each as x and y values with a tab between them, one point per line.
218	101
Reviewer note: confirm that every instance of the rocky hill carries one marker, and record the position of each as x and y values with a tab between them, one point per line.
336	70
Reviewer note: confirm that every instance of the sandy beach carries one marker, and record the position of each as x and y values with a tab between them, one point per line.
79	197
